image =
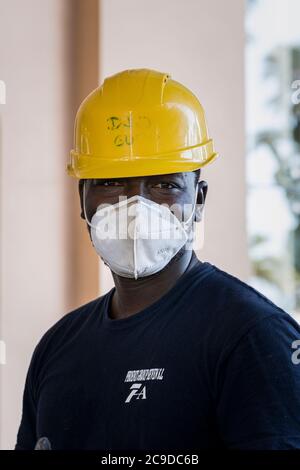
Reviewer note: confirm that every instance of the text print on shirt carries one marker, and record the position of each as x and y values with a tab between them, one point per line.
138	390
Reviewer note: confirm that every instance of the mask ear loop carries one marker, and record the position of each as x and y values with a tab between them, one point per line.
198	242
192	234
195	205
201	208
84	208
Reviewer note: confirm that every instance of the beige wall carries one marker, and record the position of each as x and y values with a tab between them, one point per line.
201	43
50	57
47	265
82	72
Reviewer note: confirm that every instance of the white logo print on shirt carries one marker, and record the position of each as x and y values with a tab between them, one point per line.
137	389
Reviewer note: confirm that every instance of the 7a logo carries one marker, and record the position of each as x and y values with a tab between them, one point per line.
138	391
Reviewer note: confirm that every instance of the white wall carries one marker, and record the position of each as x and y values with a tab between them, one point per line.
201	44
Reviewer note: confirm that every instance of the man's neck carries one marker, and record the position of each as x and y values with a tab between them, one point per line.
133	295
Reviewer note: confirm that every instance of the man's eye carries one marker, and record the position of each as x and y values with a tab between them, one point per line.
106	183
166	185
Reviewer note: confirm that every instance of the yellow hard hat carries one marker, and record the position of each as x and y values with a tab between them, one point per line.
139	122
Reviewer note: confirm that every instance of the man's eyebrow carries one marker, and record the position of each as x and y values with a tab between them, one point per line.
147	177
108	178
168	175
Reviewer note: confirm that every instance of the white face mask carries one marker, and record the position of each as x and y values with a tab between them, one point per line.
137	237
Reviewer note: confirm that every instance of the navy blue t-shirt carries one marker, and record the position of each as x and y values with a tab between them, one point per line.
211	364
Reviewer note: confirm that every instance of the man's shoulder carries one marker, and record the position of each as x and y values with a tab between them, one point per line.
234	310
67	325
235	306
229	291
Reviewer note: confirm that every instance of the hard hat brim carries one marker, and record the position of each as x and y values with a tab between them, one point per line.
87	166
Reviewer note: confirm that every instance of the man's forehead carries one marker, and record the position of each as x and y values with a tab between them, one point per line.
181	175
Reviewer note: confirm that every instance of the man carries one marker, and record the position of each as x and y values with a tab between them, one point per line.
178	354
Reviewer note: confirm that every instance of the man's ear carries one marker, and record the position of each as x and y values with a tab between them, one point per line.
80	189
202	192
